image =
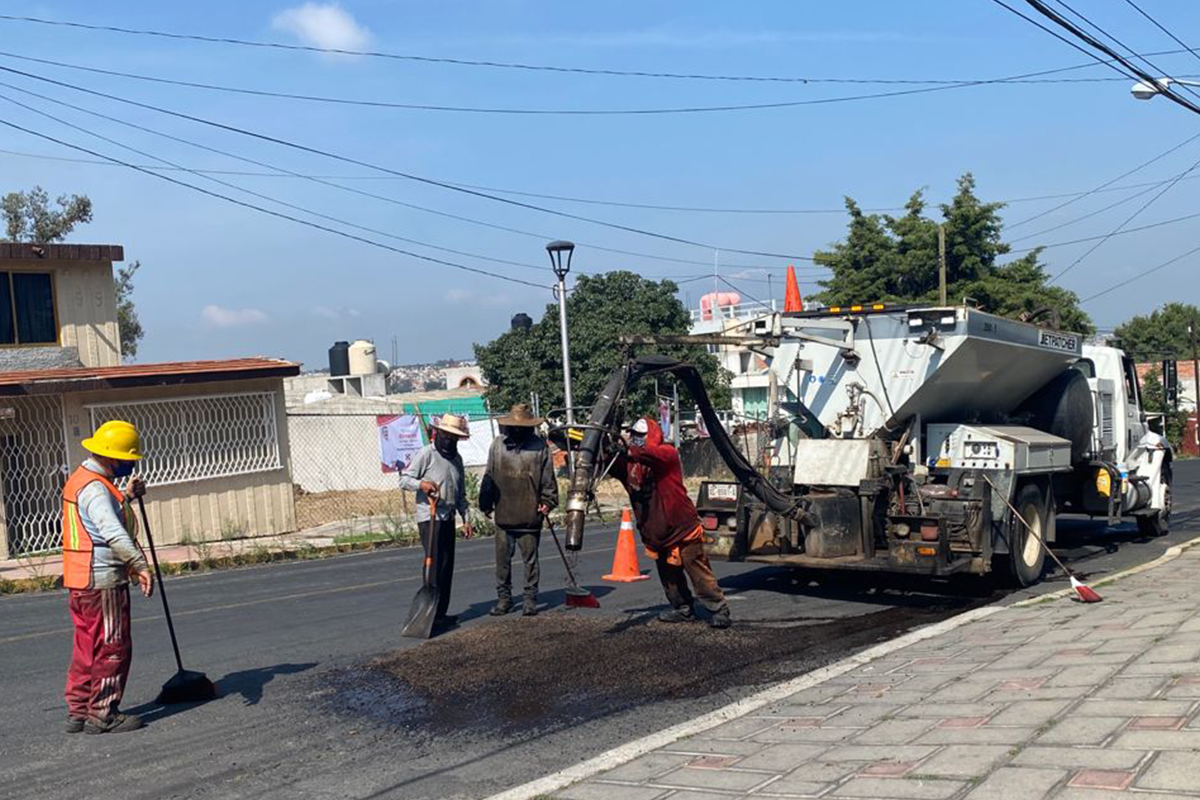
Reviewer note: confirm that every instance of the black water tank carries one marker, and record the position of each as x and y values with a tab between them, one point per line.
1063	407
339	359
521	322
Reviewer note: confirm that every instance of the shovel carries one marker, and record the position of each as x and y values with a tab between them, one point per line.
577	596
425	604
186	686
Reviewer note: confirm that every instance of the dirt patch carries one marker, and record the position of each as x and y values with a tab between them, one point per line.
318	508
520	674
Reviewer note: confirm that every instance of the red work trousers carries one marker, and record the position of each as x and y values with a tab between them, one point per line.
101	654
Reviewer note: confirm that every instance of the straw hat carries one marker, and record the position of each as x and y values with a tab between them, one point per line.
520	416
454	424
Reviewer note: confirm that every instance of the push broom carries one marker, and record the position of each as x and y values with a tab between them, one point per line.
185	686
577	596
1085	593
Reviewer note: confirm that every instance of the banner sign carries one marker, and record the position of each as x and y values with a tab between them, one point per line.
399	440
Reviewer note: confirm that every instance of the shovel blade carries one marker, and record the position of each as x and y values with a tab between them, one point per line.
422	613
187	686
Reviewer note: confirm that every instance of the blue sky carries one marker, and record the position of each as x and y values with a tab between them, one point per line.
219	280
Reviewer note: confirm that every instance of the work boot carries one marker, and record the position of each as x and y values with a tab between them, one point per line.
530	607
502	607
75	724
681	614
117	723
720	620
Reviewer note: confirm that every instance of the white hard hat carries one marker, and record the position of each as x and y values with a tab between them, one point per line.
640	427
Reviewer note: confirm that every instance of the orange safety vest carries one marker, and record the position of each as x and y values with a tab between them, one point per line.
77	544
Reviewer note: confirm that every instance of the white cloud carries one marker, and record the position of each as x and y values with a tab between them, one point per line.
335	313
323	25
457	296
219	317
463	297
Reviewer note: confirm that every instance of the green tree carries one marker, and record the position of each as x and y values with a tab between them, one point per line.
895	259
1154	401
599	309
28	216
1160	335
128	324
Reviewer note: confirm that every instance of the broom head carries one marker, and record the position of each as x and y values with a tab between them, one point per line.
1086	594
187	686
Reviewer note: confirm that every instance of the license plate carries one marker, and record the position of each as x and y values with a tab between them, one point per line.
722	491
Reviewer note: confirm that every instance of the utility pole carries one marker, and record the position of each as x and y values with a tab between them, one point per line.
942	264
1195	379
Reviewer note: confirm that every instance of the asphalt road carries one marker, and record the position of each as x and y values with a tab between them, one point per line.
303	715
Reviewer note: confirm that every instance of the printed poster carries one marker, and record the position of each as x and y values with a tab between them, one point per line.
399	440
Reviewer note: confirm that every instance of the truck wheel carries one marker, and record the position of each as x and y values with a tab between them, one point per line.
1159	523
1027	557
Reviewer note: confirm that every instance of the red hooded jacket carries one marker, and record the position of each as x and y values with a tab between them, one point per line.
653	476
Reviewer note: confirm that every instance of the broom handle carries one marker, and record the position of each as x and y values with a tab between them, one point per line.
162	590
1017	514
561	554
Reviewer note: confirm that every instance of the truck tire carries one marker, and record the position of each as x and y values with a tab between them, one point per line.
1158	523
1027	558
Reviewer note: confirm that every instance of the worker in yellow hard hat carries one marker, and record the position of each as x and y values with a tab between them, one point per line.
100	555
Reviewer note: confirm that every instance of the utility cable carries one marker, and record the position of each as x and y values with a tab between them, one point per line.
407	175
1125	222
1123	232
1084	36
1103	189
1140	275
266	197
480	63
270	212
1159	25
324	182
1083	217
1104	186
935	86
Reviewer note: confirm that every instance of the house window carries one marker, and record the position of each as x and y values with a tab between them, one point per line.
27	308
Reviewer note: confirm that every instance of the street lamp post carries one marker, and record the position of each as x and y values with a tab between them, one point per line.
1144	90
560	260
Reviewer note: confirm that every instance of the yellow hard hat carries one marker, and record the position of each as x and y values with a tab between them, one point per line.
116	439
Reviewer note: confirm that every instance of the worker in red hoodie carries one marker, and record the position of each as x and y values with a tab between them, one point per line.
649	469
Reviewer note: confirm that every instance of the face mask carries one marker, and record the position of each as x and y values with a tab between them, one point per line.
122	469
638	440
518	434
446	445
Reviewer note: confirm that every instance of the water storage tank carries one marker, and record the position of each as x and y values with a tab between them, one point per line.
362	358
521	322
339	359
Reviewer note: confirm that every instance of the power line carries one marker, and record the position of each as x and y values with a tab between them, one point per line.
1123	232
1103	189
267	197
501	64
1104	186
531	111
277	170
1084	36
1140	275
1158	25
1125	222
269	212
407	175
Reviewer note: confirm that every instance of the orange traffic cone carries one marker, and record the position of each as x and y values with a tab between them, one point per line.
625	567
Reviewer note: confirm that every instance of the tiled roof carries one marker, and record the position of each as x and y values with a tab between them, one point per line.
61	252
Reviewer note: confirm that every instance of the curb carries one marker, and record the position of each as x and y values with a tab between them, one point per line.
740	708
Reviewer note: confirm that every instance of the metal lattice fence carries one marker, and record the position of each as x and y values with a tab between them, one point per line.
194	438
33	462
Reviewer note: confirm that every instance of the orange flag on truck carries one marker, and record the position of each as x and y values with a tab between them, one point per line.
791	298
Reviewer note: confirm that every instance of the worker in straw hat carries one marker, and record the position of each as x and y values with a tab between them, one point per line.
436	471
100	555
519	488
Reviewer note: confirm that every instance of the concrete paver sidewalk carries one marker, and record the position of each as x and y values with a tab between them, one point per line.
1053	700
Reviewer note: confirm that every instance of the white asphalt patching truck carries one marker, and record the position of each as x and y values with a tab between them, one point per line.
907	434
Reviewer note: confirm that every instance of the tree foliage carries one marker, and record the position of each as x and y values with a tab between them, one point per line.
28	216
1160	335
128	324
599	309
888	258
1154	401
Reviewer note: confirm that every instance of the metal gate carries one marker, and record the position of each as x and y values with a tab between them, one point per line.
33	469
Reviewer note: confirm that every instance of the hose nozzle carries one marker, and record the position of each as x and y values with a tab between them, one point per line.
576	516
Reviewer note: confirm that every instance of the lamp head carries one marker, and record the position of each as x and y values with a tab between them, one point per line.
560	256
